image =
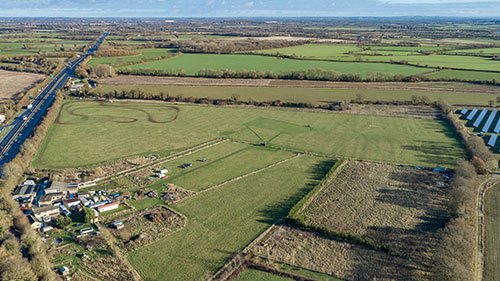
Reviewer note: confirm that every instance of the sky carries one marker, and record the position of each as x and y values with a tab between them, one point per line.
248	8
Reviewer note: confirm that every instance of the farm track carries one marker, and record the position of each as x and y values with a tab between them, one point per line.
68	108
480	231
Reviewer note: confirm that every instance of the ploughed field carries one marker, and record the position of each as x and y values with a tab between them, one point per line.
88	132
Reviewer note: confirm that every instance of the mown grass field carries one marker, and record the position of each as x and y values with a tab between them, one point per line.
88	133
193	63
492	234
256	275
303	94
146	54
318	51
466	75
223	221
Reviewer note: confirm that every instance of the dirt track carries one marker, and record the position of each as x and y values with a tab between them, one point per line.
68	107
275	83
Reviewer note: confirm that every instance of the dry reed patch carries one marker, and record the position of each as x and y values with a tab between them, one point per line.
401	207
340	259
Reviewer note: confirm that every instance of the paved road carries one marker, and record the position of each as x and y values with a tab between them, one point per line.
24	125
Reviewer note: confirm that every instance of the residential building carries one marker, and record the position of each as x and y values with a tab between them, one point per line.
57	187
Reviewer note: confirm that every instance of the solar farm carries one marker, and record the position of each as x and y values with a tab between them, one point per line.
485	123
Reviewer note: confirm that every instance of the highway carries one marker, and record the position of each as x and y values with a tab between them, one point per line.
23	126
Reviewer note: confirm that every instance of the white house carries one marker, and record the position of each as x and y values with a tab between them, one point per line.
108	207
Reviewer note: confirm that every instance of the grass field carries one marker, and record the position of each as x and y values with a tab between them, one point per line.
16	48
223	221
492	230
146	54
318	51
304	94
89	132
193	63
466	75
387	204
256	275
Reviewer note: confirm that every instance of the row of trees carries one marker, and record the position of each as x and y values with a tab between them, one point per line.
454	256
228	46
16	236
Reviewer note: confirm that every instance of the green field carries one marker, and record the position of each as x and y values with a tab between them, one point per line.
223	221
318	51
193	63
303	94
146	54
492	231
256	275
89	132
486	51
466	75
16	48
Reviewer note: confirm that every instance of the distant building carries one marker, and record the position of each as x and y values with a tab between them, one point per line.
108	207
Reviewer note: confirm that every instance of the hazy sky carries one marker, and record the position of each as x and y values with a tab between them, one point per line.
241	8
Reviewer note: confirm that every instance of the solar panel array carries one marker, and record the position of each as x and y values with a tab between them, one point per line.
487	125
493	140
480	118
472	114
464	111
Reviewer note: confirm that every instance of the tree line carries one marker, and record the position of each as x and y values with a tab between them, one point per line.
23	254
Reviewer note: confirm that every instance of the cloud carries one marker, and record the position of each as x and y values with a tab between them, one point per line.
240	8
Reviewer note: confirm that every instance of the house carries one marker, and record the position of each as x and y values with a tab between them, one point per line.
47	211
109	207
35	224
49	199
72	188
57	187
118	224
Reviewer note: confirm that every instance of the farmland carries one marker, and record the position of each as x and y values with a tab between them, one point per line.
14	82
314	95
89	132
225	220
145	55
357	200
492	229
193	63
255	275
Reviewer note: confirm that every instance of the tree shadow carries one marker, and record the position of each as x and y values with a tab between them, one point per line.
280	209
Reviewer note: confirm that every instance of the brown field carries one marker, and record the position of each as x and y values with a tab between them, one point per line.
13	83
339	259
199	81
401	207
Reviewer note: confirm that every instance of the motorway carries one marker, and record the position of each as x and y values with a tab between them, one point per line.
23	126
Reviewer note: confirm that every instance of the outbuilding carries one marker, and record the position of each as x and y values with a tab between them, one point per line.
109	207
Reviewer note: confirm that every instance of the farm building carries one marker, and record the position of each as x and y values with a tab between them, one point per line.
108	207
49	199
57	187
70	203
22	191
47	211
35	224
